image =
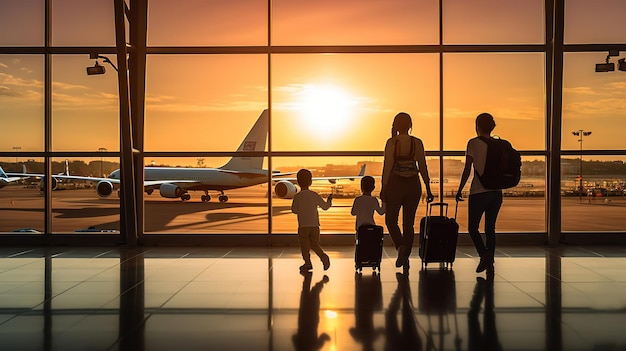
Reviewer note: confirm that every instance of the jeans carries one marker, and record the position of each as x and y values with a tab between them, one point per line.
405	193
488	203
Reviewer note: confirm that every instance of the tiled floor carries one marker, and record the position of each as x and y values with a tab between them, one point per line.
570	298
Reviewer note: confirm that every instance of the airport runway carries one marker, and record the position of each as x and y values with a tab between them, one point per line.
246	212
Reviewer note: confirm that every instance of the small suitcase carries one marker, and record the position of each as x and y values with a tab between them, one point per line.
369	247
438	236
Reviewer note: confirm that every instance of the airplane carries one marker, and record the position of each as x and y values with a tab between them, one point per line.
238	172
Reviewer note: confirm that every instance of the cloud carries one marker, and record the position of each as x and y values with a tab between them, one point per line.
9	79
67	86
580	90
3	65
601	108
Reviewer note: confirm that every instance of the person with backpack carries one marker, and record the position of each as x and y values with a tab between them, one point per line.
404	160
482	199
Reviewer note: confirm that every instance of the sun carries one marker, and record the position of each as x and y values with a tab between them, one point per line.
325	109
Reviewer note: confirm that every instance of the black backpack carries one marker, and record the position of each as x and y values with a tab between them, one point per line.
503	167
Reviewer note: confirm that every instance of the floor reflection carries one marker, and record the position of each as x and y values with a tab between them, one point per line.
555	299
306	337
404	335
487	338
368	299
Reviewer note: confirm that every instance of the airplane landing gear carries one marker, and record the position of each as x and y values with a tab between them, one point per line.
149	191
206	197
223	198
185	197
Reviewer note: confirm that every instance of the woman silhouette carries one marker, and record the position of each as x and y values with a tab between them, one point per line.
401	187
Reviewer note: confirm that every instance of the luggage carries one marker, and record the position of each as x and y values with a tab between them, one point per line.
369	247
438	236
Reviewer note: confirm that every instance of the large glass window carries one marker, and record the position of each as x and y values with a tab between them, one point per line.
331	175
83	23
21	103
593	102
206	195
509	86
228	94
203	102
493	22
354	22
214	22
22	23
595	200
348	102
85	108
598	21
82	206
22	203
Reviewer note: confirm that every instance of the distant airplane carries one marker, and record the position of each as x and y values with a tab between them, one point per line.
238	172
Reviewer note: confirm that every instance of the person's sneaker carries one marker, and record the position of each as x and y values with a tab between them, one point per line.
326	262
401	260
306	267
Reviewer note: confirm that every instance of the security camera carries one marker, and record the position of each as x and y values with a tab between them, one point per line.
605	67
96	69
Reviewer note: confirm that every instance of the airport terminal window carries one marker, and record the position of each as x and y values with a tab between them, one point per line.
348	101
22	207
593	102
21	103
595	202
583	18
526	200
22	23
208	102
199	23
355	22
242	210
493	22
83	23
344	189
85	109
476	83
84	206
203	102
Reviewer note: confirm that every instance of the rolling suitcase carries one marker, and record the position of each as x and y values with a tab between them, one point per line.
438	236
369	247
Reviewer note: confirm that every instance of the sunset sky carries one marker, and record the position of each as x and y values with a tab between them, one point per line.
339	102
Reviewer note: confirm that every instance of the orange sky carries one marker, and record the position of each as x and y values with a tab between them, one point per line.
208	103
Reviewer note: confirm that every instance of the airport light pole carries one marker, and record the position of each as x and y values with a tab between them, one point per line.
580	133
17	148
102	149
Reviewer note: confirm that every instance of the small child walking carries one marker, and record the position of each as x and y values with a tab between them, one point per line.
365	205
305	205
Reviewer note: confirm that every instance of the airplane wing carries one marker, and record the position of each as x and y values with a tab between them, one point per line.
278	177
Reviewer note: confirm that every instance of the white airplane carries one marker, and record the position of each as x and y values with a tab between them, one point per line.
238	172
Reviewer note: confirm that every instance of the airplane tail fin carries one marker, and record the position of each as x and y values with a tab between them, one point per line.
254	141
2	174
362	172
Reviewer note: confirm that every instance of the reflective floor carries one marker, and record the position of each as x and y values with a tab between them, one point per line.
570	298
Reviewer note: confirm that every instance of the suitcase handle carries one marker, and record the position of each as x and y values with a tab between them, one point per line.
429	208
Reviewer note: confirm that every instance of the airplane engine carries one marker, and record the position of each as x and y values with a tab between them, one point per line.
285	190
104	188
42	183
171	191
